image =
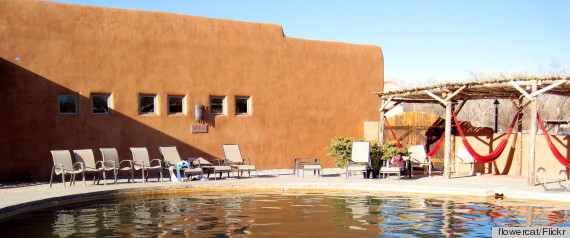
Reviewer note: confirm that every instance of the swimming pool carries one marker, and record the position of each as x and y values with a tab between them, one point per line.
284	214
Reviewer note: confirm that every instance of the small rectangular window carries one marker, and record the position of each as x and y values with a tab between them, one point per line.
147	104
176	105
243	106
101	103
217	105
67	104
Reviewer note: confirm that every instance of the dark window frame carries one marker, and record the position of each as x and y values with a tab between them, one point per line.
218	108
94	107
240	105
61	101
182	105
143	98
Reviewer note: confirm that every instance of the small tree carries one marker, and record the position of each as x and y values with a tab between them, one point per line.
340	148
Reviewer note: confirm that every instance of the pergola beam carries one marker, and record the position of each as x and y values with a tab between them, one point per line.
522	91
440	100
451	96
458	109
392	106
386	102
554	85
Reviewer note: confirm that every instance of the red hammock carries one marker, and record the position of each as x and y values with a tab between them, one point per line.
495	153
398	144
433	150
563	160
436	147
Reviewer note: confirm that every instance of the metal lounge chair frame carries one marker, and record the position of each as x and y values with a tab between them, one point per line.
359	160
211	167
90	165
464	157
233	158
388	169
62	164
172	157
111	162
141	161
418	156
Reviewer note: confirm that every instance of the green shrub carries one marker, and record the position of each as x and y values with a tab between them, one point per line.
390	149
341	149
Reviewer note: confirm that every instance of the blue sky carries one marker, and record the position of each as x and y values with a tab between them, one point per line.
423	41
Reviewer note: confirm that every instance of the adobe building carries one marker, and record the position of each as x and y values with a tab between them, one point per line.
78	77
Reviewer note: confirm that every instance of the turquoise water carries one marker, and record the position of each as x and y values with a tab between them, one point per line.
285	214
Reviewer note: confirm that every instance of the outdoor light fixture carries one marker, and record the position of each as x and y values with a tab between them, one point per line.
496	103
198	112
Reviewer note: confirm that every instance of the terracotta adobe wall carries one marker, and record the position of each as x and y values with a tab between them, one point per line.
303	92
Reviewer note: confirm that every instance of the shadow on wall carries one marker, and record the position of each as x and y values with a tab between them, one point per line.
507	164
31	127
481	134
437	129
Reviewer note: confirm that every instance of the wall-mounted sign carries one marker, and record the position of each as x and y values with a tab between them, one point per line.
199	128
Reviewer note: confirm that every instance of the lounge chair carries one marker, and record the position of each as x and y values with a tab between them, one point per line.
210	167
465	157
142	162
172	157
233	158
313	164
63	165
359	160
90	165
390	168
111	162
418	156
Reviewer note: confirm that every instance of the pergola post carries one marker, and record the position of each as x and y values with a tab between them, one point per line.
447	156
381	127
518	141
532	141
383	109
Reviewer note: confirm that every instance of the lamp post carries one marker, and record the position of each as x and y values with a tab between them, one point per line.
496	103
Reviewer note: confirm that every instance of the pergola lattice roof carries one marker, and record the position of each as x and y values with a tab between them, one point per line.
516	88
489	89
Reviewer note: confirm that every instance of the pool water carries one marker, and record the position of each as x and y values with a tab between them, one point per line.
285	214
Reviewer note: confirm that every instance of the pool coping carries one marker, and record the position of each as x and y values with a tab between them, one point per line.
346	186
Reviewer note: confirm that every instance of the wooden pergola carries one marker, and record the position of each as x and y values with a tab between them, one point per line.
522	92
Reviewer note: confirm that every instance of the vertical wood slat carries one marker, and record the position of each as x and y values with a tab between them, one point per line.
420	122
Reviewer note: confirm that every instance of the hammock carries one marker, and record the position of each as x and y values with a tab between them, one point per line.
398	144
433	150
563	160
495	153
436	147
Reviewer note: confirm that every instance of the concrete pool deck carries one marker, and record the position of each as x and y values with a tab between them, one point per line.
21	197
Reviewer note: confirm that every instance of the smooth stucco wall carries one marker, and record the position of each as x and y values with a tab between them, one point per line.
304	92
